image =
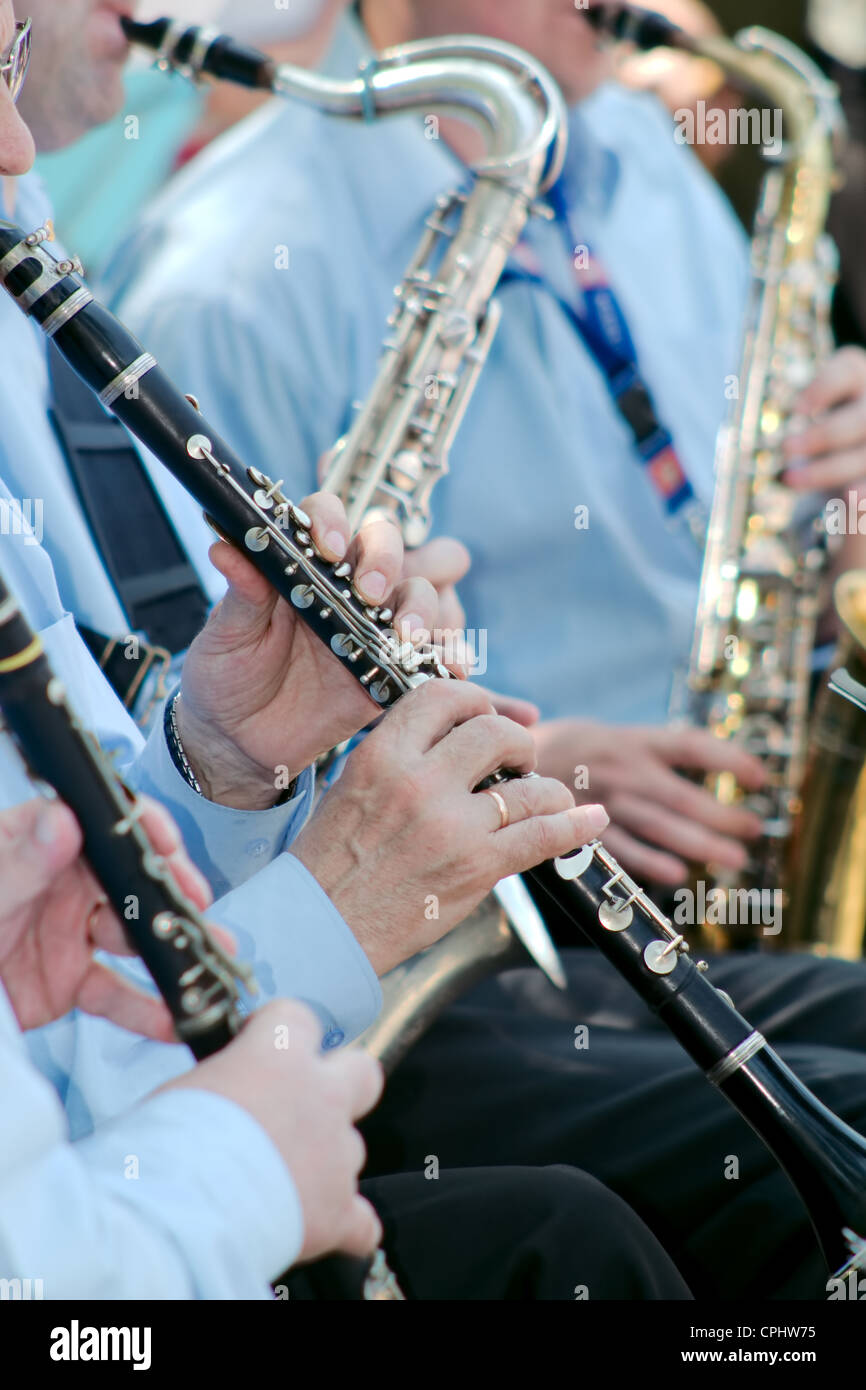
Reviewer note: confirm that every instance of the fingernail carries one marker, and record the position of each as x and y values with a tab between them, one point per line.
595	818
373	585
47	826
335	543
412	627
796	425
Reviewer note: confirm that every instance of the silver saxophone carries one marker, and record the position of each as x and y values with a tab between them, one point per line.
439	337
445	319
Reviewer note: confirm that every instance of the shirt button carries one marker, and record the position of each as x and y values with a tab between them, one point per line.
257	848
333	1038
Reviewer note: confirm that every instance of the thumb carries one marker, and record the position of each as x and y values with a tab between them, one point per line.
249	601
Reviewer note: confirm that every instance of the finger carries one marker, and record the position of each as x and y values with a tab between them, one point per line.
832	473
362	1077
521	711
362	1231
249	600
663	785
239	571
442	561
376	557
523	797
651	865
531	842
427	714
840	429
452	615
657	826
166	840
106	995
39	840
329	525
416	610
703	751
483	745
839	379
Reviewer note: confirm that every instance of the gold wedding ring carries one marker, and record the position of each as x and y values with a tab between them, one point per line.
94	912
504	817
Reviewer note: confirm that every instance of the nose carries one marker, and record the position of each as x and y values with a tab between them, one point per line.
17	151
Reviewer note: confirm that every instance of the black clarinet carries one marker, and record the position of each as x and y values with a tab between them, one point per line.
195	50
198	980
824	1158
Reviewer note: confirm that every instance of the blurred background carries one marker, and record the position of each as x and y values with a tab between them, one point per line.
165	123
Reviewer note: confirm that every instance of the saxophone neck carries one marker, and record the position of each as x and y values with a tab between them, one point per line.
757	60
503	92
498	88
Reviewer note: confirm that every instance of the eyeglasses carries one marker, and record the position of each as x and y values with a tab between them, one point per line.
14	69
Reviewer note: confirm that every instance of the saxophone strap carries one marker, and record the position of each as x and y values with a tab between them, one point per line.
601	324
151	573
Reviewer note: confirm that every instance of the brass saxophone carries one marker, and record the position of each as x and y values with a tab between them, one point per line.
763	583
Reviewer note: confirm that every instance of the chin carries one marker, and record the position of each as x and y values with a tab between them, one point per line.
107	95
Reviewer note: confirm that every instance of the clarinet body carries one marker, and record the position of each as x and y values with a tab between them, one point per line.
824	1158
199	981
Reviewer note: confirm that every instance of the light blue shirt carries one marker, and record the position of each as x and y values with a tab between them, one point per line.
136	1211
583	621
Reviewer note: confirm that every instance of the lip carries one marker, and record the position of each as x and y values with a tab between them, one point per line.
107	39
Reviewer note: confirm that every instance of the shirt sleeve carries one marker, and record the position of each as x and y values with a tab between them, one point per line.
135	1212
227	845
298	945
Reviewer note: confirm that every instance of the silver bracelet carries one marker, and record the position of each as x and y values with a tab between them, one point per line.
175	747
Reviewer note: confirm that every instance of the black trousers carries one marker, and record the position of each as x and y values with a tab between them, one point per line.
517	1233
505	1078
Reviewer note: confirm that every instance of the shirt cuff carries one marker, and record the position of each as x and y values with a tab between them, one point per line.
241	1194
227	845
288	929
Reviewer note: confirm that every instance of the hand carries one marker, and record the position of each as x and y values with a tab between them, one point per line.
53	916
826	449
633	771
443	562
306	1101
260	691
403	844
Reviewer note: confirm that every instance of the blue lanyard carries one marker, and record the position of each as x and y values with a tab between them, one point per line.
604	331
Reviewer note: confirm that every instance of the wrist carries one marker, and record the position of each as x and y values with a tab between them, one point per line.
214	765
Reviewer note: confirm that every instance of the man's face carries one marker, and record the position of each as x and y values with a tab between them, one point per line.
76	71
16	145
553	31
